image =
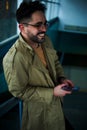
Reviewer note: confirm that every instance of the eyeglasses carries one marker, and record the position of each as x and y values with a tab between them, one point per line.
38	25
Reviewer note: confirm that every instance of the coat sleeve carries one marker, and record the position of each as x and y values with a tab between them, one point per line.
17	78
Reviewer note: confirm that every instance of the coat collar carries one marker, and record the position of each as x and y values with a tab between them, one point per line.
25	43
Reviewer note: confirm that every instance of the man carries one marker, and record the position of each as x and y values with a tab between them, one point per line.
33	72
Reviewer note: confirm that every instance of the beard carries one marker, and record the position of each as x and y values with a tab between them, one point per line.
39	38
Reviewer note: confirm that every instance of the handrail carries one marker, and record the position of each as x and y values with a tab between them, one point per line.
8	40
62	58
8	105
51	22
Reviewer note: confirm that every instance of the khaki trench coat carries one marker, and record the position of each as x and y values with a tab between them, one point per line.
30	81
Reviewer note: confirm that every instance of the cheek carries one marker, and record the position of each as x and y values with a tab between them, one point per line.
25	31
33	31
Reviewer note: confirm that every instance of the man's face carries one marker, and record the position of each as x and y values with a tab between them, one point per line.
34	31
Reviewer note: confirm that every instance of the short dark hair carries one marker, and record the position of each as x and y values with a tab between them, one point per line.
26	9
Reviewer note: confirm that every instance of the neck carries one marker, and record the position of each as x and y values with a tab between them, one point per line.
34	45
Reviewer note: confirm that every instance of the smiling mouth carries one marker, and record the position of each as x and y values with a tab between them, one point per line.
41	35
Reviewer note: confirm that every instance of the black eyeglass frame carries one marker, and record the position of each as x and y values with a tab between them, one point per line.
38	25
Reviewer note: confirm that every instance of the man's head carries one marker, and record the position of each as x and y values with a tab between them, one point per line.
26	9
32	21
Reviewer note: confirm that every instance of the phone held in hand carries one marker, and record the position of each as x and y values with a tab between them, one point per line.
69	88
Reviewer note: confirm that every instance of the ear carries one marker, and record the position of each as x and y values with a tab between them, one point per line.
21	27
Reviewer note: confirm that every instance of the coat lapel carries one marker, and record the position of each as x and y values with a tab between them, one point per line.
49	54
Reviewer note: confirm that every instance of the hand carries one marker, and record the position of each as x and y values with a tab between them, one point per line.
58	91
68	82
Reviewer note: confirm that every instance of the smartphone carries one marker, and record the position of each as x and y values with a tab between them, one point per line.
68	88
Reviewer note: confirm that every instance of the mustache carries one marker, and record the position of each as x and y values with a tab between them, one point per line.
41	33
